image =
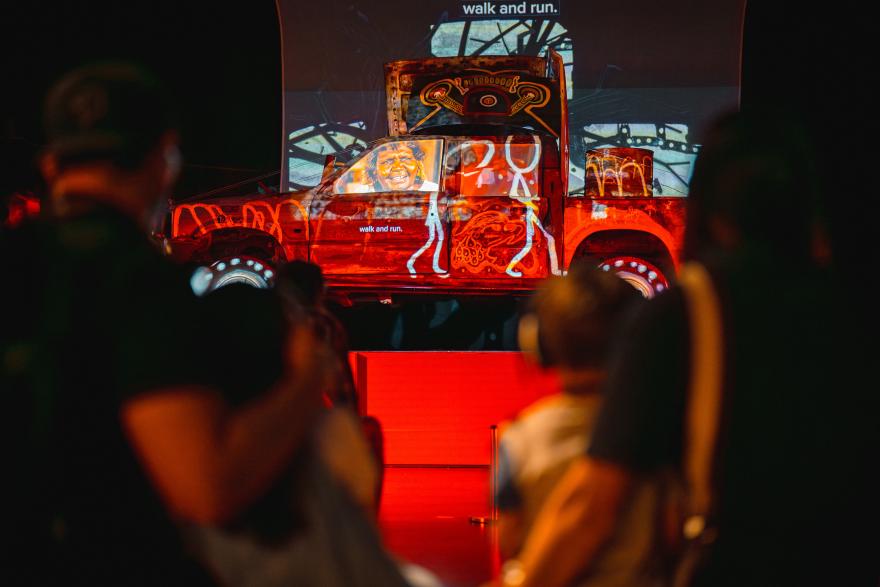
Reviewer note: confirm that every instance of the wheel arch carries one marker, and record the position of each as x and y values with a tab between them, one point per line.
657	246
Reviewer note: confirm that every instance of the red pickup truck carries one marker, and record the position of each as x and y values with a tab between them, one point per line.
467	195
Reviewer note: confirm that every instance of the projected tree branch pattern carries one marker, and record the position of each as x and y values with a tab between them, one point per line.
674	153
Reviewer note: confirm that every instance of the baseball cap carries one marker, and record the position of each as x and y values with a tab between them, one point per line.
112	110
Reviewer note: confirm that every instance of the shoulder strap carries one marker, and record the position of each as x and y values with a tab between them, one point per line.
703	411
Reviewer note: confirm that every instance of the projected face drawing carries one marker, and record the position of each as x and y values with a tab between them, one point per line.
399	168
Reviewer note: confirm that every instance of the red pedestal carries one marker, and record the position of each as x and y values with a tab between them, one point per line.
436	407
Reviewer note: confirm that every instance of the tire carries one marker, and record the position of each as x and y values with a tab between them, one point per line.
239	269
643	275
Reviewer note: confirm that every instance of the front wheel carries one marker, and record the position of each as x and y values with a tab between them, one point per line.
241	269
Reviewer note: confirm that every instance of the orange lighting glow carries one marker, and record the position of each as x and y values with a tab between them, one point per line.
257	214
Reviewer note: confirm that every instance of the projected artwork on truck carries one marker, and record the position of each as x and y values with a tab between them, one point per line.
397	166
608	171
472	154
495	220
504	37
674	153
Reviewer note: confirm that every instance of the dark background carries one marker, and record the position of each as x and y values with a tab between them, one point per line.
224	67
674	62
648	40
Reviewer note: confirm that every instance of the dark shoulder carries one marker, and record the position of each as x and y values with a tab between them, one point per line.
242	332
24	250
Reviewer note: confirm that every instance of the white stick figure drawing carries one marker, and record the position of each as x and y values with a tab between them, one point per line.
433	222
435	231
531	219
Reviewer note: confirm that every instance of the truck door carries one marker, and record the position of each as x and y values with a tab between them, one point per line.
385	213
497	211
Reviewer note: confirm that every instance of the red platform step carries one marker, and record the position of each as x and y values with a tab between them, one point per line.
436	407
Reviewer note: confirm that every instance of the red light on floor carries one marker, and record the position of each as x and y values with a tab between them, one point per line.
436	407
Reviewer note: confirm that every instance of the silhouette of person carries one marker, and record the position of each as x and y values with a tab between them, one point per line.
124	426
792	420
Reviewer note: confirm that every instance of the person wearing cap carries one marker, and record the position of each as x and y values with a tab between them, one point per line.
121	427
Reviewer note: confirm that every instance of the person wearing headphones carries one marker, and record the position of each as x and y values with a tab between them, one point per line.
569	327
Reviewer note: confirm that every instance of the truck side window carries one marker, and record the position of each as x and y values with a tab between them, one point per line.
395	166
496	168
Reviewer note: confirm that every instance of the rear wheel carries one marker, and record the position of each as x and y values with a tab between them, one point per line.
643	275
